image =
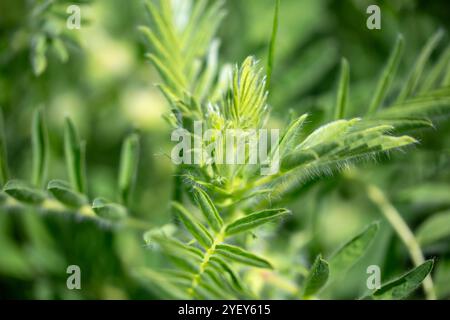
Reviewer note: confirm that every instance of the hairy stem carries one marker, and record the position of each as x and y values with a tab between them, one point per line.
404	232
85	211
208	254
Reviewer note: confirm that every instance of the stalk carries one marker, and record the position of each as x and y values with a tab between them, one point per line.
208	254
391	214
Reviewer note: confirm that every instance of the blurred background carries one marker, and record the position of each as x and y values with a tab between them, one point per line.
99	77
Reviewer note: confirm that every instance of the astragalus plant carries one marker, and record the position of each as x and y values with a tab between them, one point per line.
226	216
220	206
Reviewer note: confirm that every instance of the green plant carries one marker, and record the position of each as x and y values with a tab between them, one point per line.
226	196
220	209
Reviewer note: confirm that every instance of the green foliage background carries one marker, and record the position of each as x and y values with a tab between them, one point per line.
106	87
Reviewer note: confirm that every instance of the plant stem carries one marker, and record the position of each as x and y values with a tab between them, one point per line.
85	211
280	282
271	55
208	254
404	232
137	224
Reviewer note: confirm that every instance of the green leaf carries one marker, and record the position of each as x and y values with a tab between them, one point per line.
297	158
206	290
317	277
158	46
75	157
403	286
174	246
23	193
206	81
363	137
273	38
341	101
242	256
60	49
109	211
428	194
425	106
387	142
185	257
222	266
302	157
169	77
128	167
401	124
208	209
197	14
435	228
254	220
3	153
197	230
158	283
62	191
3	197
446	78
421	62
38	51
183	50
220	284
436	72
213	286
289	137
352	251
387	76
40	149
164	231
198	36
245	103
326	133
